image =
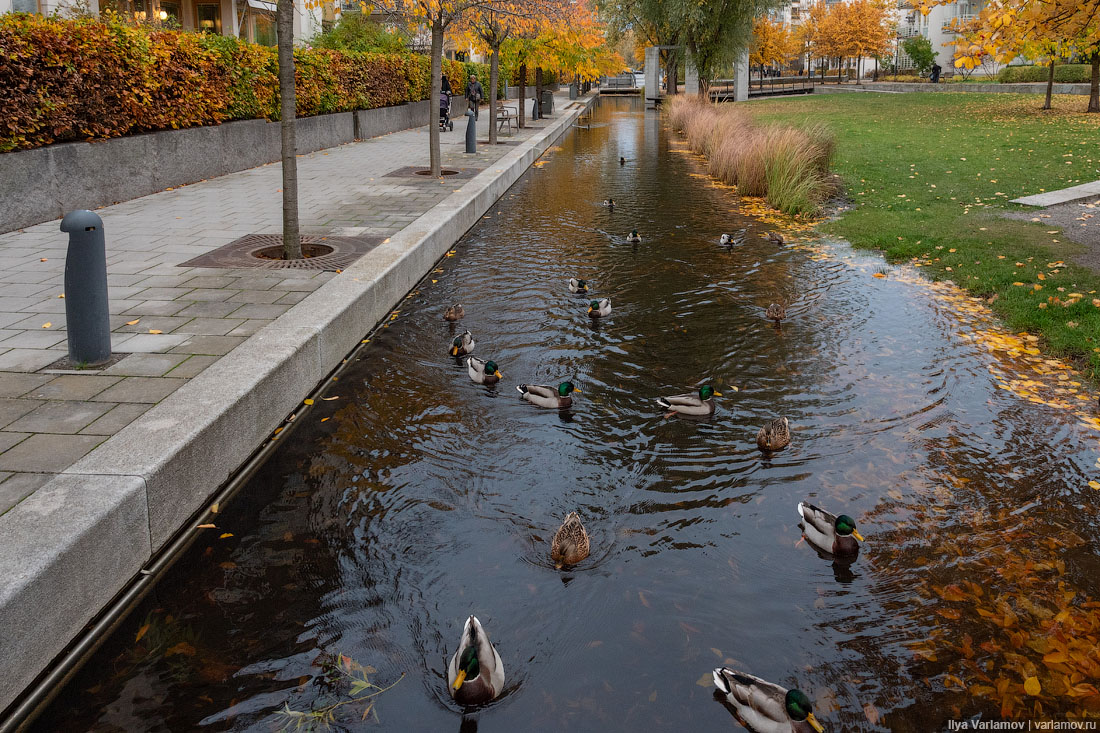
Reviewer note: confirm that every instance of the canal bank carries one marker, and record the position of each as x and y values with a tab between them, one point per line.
79	538
410	497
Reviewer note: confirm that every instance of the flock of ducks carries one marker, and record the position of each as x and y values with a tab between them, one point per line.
475	674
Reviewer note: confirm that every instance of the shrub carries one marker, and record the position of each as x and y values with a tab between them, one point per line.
785	164
1063	74
87	79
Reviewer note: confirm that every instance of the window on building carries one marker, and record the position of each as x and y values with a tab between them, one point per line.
263	29
169	13
25	6
208	17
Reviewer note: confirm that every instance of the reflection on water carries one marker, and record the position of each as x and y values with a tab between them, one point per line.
425	497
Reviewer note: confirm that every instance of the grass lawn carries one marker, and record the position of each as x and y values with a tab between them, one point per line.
928	176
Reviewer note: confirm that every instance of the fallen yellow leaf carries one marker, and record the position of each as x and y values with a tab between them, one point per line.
133	322
1032	686
224	535
307	402
155	330
207	526
141	632
47	324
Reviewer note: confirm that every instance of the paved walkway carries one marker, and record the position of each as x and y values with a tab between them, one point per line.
172	321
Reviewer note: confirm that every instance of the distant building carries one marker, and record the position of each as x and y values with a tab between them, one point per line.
936	27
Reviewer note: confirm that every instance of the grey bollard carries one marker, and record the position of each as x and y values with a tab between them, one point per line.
535	108
573	91
471	132
86	317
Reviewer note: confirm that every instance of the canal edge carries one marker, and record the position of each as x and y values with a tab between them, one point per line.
72	549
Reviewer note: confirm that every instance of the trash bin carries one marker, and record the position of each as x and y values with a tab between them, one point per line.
573	90
547	103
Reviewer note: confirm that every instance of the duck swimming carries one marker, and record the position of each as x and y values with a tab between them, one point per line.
462	344
775	436
570	544
696	405
634	237
558	398
483	372
578	286
829	533
765	707
454	313
599	308
475	674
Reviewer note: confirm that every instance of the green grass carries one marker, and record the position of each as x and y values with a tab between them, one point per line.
928	176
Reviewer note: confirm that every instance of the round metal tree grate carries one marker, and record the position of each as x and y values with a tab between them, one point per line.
259	251
444	172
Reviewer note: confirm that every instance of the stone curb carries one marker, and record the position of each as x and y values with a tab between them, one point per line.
78	541
1061	196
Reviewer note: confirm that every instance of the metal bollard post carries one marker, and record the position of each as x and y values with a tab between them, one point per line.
535	108
471	132
86	317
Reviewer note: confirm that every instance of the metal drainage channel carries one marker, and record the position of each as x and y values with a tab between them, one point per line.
23	712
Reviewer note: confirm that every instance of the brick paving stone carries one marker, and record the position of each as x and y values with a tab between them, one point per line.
194	366
72	387
140	389
212	345
18	486
48	453
118	418
145	365
14	384
61	416
13	409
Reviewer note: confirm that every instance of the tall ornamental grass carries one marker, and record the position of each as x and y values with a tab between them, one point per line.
787	165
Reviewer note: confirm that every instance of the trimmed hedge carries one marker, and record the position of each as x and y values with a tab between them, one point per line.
93	79
1063	74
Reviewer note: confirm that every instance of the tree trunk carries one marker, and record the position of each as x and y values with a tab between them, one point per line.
670	73
839	68
494	77
538	91
522	92
433	104
1094	89
1050	85
292	241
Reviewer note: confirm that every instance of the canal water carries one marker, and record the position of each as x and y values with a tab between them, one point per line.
409	497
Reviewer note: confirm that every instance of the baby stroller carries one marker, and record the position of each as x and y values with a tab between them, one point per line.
445	122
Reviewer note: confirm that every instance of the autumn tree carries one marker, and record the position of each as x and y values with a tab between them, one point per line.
772	43
1004	29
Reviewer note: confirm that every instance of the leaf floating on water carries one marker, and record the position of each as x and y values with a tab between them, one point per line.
330	399
324	419
1094	484
1032	686
141	632
643	599
207	526
878	275
653	696
871	713
214	508
224	535
706	680
717	652
307	402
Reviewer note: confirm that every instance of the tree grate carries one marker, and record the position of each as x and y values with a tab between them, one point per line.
243	252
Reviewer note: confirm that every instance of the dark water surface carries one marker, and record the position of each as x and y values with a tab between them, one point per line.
426	498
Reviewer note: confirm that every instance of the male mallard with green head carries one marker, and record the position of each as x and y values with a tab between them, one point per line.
764	706
599	308
557	398
475	674
454	313
634	237
701	404
835	535
570	544
483	372
578	286
774	436
462	344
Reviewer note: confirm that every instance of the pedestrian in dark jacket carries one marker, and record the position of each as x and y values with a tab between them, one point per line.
474	93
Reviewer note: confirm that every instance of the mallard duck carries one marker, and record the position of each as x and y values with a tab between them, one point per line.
776	238
774	436
836	535
542	396
622	160
570	544
599	308
463	344
609	203
634	237
691	404
578	286
483	372
766	707
776	312
454	313
475	674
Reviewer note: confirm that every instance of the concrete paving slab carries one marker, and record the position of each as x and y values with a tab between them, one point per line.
1061	196
144	365
194	366
8	439
119	417
215	345
72	387
140	389
15	384
12	409
18	486
47	453
61	416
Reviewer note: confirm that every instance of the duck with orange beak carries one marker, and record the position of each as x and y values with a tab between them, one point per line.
829	533
462	344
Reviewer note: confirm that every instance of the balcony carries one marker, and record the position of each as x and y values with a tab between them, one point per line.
960	19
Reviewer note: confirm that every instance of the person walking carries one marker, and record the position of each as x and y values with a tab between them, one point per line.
474	93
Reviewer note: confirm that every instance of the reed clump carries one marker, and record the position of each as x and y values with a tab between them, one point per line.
786	165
